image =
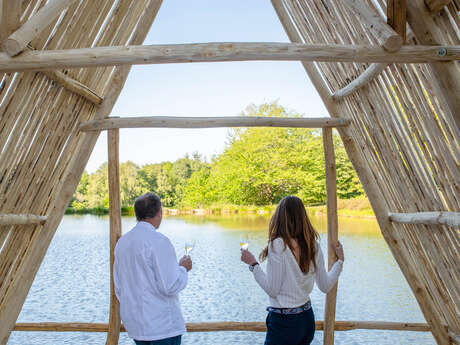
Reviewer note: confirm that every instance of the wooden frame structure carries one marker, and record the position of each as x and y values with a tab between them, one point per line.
400	124
112	125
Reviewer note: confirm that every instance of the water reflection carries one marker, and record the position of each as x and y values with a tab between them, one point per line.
347	225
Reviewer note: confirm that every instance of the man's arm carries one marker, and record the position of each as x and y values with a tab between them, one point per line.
172	277
116	280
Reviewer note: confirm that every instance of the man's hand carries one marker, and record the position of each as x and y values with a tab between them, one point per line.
186	262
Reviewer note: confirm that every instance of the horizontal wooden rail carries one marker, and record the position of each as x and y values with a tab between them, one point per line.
221	52
436	218
224	326
211	122
365	78
21	219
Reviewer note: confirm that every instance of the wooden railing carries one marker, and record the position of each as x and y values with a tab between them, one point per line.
224	326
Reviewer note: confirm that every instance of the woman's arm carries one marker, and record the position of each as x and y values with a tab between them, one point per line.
272	280
326	280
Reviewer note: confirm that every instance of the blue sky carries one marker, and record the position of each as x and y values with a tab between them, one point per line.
205	89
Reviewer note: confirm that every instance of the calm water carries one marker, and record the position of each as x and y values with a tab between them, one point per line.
72	284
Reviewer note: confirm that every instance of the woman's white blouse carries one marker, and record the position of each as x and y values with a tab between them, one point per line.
286	284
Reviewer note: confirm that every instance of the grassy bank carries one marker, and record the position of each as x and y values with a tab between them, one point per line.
99	211
209	210
359	207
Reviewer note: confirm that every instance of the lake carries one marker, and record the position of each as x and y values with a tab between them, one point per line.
72	284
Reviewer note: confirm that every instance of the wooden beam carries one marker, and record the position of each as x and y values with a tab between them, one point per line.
223	326
220	52
73	85
396	17
435	218
332	232
113	143
21	219
436	5
365	78
385	35
447	75
10	17
210	122
31	29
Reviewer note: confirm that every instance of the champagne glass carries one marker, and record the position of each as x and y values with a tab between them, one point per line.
244	241
189	245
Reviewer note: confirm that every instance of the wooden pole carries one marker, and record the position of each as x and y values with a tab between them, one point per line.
21	219
18	289
436	218
223	326
332	232
437	5
369	183
365	78
396	17
220	52
210	122
447	75
10	17
73	85
385	35
17	41
113	140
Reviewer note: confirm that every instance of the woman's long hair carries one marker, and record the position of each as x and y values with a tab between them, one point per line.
290	222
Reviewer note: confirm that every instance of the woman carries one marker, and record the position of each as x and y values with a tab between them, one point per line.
295	261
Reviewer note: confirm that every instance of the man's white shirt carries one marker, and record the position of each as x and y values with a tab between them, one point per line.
147	279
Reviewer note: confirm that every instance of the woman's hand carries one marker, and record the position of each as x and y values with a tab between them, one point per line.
247	257
338	249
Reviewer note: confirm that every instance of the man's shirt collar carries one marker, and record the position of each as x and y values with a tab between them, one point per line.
146	225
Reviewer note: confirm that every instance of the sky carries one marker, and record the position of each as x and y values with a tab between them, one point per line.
205	89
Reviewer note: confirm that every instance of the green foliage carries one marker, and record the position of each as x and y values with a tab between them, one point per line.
259	166
97	195
262	165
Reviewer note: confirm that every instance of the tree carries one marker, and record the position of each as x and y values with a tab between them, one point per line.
262	165
97	190
79	200
130	188
259	166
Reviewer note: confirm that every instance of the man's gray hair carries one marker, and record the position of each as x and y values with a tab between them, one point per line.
146	206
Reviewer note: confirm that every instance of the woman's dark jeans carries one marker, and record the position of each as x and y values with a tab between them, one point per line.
290	329
168	341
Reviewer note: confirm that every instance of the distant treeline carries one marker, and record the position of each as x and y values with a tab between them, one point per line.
259	166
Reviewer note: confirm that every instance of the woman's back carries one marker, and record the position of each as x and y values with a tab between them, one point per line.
294	262
285	283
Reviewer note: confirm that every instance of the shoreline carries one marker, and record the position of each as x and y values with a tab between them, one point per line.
361	210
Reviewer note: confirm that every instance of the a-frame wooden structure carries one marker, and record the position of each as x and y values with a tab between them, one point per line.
391	86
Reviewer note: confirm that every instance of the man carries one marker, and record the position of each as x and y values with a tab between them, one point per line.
148	279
